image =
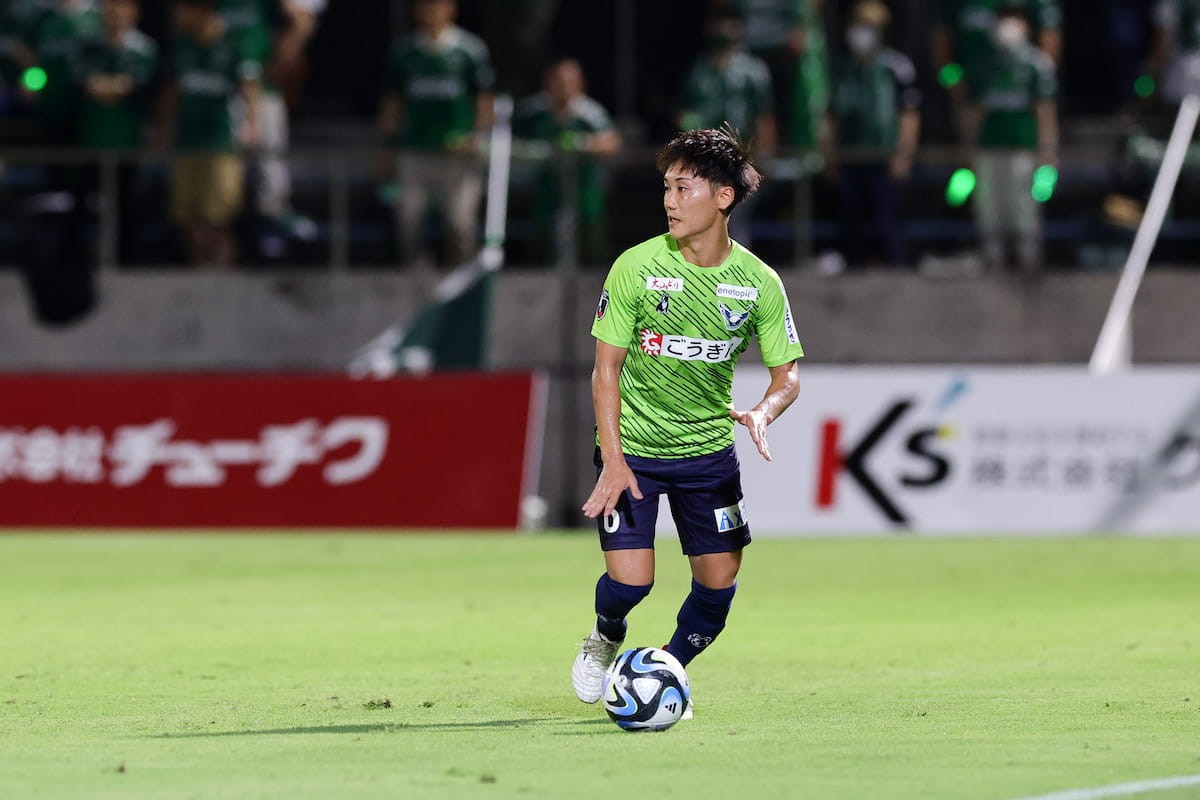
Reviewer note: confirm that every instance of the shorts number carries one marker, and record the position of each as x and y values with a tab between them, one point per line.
612	522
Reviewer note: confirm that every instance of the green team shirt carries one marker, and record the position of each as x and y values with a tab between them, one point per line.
738	94
438	83
119	124
55	35
971	22
810	99
536	121
253	23
1017	80
685	327
209	75
868	98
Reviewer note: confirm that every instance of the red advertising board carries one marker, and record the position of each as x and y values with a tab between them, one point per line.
456	450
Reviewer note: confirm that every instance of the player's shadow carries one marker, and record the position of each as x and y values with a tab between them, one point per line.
380	727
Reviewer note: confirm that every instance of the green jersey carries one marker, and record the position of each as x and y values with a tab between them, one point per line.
253	24
438	82
868	97
117	124
209	76
810	98
55	35
536	120
971	22
1017	80
737	92
685	327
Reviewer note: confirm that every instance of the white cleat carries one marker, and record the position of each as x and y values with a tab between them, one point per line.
687	712
596	654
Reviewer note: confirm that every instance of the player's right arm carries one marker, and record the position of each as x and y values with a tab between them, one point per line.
615	475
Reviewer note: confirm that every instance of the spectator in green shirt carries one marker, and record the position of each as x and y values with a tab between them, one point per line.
437	103
810	95
873	129
963	38
564	118
1019	132
275	33
116	71
728	86
55	34
208	70
778	33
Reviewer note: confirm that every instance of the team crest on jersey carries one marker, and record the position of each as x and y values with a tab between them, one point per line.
734	319
602	306
664	304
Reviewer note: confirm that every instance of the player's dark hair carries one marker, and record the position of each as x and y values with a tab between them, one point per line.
718	156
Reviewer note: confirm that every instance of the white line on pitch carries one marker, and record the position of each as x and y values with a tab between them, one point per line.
1121	789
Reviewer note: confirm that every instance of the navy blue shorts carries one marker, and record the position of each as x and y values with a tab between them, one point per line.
705	493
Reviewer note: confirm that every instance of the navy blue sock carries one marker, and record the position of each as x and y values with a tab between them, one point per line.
614	601
701	619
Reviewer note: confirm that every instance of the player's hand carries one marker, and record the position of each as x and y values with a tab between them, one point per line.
756	422
611	484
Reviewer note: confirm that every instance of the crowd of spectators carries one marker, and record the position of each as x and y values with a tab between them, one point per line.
855	102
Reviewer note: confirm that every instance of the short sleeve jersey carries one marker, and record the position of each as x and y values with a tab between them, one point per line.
738	94
117	125
685	327
1017	80
971	21
868	97
208	76
438	83
535	120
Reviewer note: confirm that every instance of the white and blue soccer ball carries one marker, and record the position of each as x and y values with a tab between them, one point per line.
646	689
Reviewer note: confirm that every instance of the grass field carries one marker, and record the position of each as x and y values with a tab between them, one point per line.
231	666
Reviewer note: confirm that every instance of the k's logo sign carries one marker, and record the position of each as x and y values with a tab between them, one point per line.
836	459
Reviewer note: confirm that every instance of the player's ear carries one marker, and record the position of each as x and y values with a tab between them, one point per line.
725	196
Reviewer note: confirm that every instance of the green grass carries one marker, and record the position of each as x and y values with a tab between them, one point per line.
217	666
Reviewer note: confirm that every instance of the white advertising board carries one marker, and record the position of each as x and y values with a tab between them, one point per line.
1028	450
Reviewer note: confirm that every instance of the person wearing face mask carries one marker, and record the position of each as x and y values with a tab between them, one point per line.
728	86
963	46
1018	133
871	136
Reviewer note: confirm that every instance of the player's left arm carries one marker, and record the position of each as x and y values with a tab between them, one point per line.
781	393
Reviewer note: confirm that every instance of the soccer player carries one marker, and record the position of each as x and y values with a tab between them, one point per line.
675	315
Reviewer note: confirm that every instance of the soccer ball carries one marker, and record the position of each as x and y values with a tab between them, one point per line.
646	689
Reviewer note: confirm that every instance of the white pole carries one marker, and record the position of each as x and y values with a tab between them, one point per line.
1106	358
497	191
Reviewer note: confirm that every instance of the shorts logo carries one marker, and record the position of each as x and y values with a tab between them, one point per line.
730	518
686	348
664	284
602	306
734	319
737	292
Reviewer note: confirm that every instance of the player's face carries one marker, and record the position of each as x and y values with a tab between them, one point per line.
693	205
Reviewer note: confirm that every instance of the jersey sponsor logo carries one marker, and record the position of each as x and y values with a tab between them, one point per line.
664	284
602	306
685	348
737	292
664	304
436	87
731	518
790	326
734	319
